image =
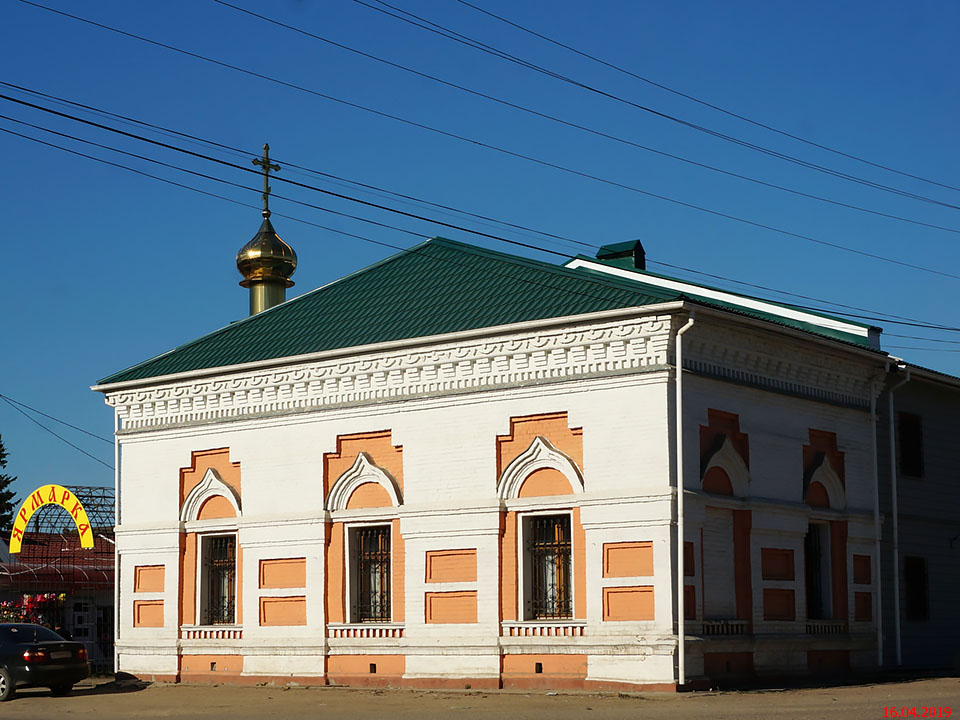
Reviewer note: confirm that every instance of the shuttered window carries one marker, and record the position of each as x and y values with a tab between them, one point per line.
911	445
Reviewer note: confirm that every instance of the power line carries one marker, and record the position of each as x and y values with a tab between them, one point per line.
467	139
767	288
59	437
496	52
393	227
458	227
207	192
920	337
287	164
389	245
241	153
601	285
56	419
587	129
245	169
911	347
704	103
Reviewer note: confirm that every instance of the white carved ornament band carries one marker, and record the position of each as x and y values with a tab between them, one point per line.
540	455
362	471
729	460
211	486
827	476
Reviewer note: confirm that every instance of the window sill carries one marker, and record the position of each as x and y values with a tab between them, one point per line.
211	632
826	627
365	630
544	628
722	627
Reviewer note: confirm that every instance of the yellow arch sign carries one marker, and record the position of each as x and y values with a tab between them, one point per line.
51	495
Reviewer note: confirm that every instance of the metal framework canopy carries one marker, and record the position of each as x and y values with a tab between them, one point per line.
56	518
55	495
52	553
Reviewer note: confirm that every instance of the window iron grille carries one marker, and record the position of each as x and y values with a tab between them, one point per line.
814	555
373	574
220	563
550	563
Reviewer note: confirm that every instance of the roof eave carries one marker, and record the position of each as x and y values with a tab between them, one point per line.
671	307
923	373
810	336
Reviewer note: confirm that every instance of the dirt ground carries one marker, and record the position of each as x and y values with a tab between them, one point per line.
109	701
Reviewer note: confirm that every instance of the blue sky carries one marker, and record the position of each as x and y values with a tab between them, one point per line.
103	268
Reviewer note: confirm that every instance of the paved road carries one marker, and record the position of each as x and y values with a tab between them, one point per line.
106	701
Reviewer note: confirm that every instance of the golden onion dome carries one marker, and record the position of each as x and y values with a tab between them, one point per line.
266	258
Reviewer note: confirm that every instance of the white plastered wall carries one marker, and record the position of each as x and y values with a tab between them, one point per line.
449	501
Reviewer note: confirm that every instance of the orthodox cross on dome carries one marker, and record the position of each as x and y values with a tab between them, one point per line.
267	166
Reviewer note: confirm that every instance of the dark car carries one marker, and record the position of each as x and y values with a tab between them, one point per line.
35	656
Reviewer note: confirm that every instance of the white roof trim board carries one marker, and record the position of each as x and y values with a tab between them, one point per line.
726	297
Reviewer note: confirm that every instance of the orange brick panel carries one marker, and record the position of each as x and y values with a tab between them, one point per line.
148	613
148	578
283	573
627	559
451	566
776	564
283	611
778	605
450	607
627	603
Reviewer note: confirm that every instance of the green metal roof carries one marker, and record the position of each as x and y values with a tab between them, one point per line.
440	286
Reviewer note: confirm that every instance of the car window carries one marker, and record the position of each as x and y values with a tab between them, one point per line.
45	634
26	634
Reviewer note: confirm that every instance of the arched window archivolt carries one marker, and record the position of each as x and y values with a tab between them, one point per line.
827	477
362	471
731	463
211	486
541	455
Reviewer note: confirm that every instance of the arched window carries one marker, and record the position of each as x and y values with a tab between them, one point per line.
368	542
209	514
550	540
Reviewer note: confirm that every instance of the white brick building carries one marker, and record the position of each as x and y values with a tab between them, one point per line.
459	467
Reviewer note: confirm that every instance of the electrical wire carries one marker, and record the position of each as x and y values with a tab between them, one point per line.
911	347
489	49
434	129
587	129
256	172
598	282
238	152
767	288
56	419
56	435
704	103
458	227
920	337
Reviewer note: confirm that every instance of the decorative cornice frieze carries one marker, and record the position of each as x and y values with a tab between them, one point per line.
625	346
759	358
782	364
